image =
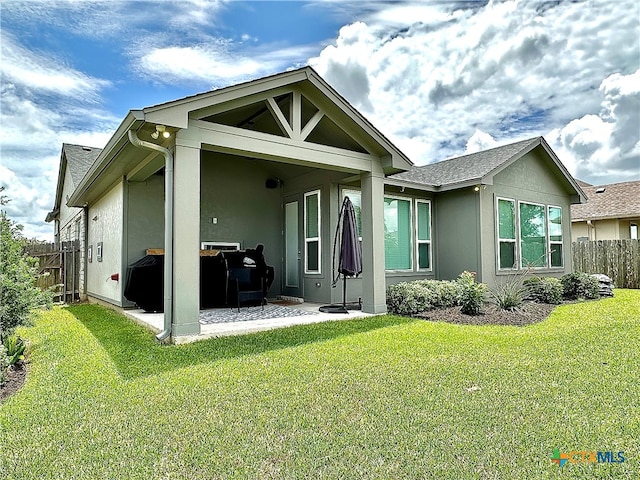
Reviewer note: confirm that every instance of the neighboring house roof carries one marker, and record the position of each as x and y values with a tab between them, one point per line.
480	167
616	200
78	160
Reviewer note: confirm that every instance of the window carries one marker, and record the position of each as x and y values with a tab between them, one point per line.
312	232
555	236
397	234
400	235
423	234
536	230
633	231
506	234
356	200
533	244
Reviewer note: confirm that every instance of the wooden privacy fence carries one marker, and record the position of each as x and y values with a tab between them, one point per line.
618	259
59	268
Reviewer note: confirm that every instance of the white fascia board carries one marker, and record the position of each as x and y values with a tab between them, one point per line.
399	159
261	145
176	113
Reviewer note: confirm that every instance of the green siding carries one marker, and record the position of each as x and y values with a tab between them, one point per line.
534	178
233	192
456	233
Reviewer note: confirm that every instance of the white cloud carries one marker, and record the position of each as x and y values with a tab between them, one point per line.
219	62
605	147
480	141
431	75
39	72
43	104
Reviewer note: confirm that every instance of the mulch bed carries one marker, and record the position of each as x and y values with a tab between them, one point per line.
527	314
15	379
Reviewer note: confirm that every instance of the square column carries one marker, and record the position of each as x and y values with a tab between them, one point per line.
374	297
186	241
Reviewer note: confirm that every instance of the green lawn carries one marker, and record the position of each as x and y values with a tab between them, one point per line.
384	397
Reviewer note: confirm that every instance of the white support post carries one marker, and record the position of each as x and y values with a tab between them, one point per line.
186	241
373	272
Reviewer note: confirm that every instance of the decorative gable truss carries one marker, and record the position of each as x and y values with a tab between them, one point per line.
284	126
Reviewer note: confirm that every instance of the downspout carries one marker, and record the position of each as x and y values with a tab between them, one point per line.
168	229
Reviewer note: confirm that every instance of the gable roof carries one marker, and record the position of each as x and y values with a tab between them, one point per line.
618	200
77	159
480	167
467	168
119	156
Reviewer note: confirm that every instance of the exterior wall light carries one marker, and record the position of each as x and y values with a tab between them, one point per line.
160	130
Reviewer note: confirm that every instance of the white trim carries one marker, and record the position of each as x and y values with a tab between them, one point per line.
546	233
419	242
412	232
220	246
516	250
555	242
317	239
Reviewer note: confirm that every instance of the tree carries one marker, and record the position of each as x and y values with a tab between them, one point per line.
18	292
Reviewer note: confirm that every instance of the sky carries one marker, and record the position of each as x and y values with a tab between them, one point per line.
438	78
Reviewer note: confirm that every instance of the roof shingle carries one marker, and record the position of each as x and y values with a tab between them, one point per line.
79	160
618	200
466	168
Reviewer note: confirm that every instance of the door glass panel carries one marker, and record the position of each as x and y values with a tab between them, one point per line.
292	273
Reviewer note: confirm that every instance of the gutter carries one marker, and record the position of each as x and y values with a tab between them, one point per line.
168	229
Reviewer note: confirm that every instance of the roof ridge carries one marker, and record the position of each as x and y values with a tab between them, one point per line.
526	141
65	144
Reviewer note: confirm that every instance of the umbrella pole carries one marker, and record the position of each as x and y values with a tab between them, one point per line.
344	292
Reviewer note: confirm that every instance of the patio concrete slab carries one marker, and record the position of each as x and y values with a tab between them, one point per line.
155	321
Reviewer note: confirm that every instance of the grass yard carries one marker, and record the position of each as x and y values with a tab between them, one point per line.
383	397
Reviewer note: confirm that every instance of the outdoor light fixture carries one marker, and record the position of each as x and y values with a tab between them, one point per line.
476	188
160	130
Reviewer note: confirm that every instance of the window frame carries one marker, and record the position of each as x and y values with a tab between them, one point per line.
413	205
518	240
318	238
412	234
418	241
555	242
516	249
546	236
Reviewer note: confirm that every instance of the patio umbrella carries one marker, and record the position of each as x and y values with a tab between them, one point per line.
350	258
350	263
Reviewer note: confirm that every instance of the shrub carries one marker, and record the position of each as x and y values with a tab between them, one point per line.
579	285
14	347
409	298
509	295
4	364
470	294
544	289
18	292
442	293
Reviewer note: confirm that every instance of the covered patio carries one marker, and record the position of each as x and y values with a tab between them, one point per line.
220	322
263	162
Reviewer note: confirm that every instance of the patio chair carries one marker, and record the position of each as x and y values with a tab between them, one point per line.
247	284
